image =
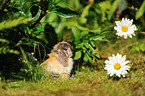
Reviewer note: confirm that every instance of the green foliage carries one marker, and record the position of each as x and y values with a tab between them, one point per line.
13	23
31	67
84	44
26	18
19	3
138	47
104	7
85	13
7	49
33	11
141	10
113	8
65	12
4	40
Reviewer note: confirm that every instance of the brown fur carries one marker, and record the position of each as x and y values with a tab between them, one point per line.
59	61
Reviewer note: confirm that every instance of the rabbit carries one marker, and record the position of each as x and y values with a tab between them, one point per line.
59	61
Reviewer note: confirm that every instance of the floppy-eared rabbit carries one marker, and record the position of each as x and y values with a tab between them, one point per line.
59	61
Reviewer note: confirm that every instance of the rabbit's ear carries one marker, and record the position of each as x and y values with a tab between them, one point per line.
62	58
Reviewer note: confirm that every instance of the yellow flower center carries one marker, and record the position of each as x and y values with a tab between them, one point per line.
124	29
117	66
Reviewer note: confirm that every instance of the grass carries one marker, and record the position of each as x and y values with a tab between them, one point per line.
88	81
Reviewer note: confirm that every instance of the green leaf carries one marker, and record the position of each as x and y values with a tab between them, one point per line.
84	33
141	10
105	31
89	46
7	49
20	3
96	30
13	23
83	20
65	12
76	33
36	30
77	4
113	8
60	27
79	45
74	23
97	9
19	13
94	51
84	41
97	55
25	57
86	57
104	6
78	55
86	10
33	11
90	60
99	38
4	40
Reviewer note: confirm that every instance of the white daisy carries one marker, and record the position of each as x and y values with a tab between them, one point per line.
125	28
117	65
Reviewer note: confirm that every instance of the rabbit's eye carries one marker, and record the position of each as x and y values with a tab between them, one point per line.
64	48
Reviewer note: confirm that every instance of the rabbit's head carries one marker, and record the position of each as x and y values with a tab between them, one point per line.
64	51
64	47
59	61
